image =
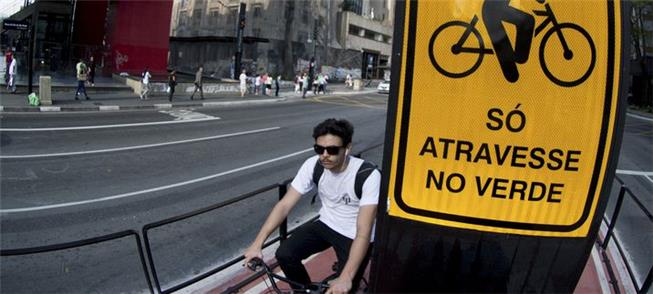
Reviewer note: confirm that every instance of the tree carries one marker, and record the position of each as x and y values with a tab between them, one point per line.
642	90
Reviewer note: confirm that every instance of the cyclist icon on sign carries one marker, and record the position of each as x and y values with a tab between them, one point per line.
570	67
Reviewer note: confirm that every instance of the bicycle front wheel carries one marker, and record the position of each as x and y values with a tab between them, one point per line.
447	55
571	66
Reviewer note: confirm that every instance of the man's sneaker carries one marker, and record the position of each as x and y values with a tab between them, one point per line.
76	98
88	98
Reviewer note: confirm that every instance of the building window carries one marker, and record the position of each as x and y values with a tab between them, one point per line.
231	19
183	18
197	18
302	36
305	15
257	11
354	30
355	6
369	35
214	16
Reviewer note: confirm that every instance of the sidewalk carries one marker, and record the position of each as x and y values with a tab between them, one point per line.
592	280
114	96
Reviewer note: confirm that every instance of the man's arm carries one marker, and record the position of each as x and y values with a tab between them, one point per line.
364	223
277	215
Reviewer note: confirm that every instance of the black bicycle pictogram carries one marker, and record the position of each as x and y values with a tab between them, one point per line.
494	13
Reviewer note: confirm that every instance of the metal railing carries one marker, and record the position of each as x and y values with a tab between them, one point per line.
82	243
609	236
144	247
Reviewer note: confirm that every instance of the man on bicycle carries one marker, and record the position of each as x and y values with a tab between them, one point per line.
346	222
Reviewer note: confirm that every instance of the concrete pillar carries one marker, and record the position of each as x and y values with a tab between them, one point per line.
45	90
358	83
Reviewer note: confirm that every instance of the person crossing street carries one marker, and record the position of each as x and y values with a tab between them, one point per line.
198	83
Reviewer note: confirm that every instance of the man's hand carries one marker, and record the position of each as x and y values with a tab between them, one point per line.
339	285
251	252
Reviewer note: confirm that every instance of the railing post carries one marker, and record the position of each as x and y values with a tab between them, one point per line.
283	228
647	283
615	215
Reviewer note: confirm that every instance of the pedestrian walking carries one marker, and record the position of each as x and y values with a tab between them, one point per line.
13	73
91	72
268	84
172	83
82	75
305	85
296	82
321	82
8	58
276	86
145	89
257	84
264	84
243	83
198	83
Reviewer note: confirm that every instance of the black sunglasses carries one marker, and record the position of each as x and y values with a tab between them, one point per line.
331	150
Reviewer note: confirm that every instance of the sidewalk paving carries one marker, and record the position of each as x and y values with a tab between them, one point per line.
113	97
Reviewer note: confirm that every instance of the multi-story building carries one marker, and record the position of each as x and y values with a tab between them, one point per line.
281	36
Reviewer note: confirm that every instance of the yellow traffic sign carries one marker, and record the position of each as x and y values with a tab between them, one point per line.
505	114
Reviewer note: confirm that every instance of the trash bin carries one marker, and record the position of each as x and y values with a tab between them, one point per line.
358	84
45	90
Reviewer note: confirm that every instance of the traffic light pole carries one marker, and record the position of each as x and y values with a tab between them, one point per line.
239	40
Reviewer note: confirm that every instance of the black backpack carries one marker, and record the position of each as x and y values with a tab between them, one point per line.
362	174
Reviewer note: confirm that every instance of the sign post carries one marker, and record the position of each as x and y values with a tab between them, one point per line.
504	134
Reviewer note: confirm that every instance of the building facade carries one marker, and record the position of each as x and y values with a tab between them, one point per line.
281	36
122	35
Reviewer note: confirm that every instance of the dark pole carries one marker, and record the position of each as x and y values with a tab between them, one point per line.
239	40
30	53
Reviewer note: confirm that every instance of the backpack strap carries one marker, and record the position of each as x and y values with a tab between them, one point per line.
317	174
362	174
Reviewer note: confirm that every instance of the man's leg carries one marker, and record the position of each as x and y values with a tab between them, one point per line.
304	242
342	245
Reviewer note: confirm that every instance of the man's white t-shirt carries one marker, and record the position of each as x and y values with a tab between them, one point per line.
146	77
340	205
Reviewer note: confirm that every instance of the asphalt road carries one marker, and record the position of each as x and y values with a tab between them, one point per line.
62	183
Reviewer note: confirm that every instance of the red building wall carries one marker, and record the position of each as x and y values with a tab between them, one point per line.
137	33
140	35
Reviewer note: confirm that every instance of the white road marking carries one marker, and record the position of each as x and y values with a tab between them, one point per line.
634	172
647	175
136	147
106	126
640	117
155	189
185	114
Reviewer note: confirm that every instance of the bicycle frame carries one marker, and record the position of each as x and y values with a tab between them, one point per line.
256	264
550	18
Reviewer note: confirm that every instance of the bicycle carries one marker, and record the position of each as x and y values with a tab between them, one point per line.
556	28
257	264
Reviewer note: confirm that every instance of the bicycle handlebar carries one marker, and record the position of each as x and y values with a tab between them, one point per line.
256	263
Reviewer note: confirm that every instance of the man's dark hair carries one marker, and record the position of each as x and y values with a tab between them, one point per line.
341	128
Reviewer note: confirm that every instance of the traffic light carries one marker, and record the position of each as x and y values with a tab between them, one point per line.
241	24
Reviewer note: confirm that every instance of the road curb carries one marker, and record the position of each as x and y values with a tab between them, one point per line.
157	106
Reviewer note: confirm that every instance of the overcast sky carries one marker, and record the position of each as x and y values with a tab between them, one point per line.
9	7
